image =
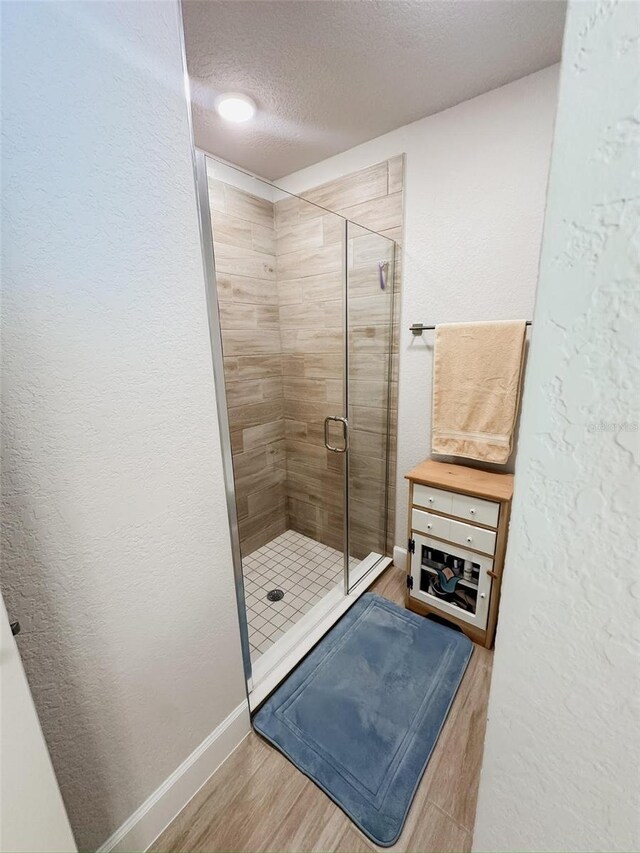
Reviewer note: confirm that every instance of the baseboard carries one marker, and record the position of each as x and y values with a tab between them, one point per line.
139	831
400	557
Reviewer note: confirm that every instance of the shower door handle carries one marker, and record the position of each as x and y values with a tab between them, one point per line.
345	434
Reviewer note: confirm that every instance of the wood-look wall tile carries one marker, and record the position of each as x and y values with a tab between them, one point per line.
263	239
295	430
236	435
236	288
250	343
395	233
252	481
320	288
242	506
333	230
335	392
254	524
377	214
293	365
360	490
286	212
367	249
310	315
365	517
312	340
368	419
252	543
299	236
216	195
230	368
255	414
241	392
249	462
224	287
266	500
304	517
292	210
303	453
299	316
366	467
363	443
352	189
369	338
395	168
290	292
312	390
311	432
233	260
256	436
372	310
307	411
364	364
307	262
363	281
329	365
368	392
257	366
315	486
238	315
243	205
231	231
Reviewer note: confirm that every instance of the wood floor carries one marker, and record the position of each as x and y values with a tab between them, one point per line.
258	801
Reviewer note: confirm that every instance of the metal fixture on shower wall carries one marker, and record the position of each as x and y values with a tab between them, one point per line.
383	266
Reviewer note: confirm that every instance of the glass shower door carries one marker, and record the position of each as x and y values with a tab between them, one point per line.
369	364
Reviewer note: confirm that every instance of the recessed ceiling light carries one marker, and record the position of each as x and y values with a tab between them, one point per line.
235	107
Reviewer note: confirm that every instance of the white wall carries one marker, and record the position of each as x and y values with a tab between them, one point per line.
476	178
116	551
562	750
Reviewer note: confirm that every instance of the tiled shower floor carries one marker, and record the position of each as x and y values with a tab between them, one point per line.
305	570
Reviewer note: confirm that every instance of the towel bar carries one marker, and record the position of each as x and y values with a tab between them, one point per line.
418	328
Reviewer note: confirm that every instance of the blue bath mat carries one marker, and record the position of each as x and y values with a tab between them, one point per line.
362	713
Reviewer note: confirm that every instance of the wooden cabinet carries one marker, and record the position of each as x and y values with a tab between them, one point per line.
458	524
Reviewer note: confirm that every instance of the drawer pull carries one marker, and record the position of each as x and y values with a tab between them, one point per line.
429	526
472	511
430	500
483	595
469	538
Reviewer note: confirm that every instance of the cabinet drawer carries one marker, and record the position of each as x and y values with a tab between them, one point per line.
431	498
472	537
430	524
476	509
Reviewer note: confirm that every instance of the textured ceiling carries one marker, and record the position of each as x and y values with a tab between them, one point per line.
329	74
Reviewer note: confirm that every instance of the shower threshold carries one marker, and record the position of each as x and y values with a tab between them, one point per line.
276	662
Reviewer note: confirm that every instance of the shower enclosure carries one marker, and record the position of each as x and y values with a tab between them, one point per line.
301	304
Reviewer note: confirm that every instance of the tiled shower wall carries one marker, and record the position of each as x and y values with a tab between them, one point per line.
310	260
310	293
283	346
244	240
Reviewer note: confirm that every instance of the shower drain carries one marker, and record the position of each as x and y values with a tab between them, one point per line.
275	595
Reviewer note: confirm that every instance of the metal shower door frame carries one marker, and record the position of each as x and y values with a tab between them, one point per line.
215	335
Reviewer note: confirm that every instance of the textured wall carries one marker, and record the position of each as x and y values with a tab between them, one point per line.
115	550
475	183
562	749
245	246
